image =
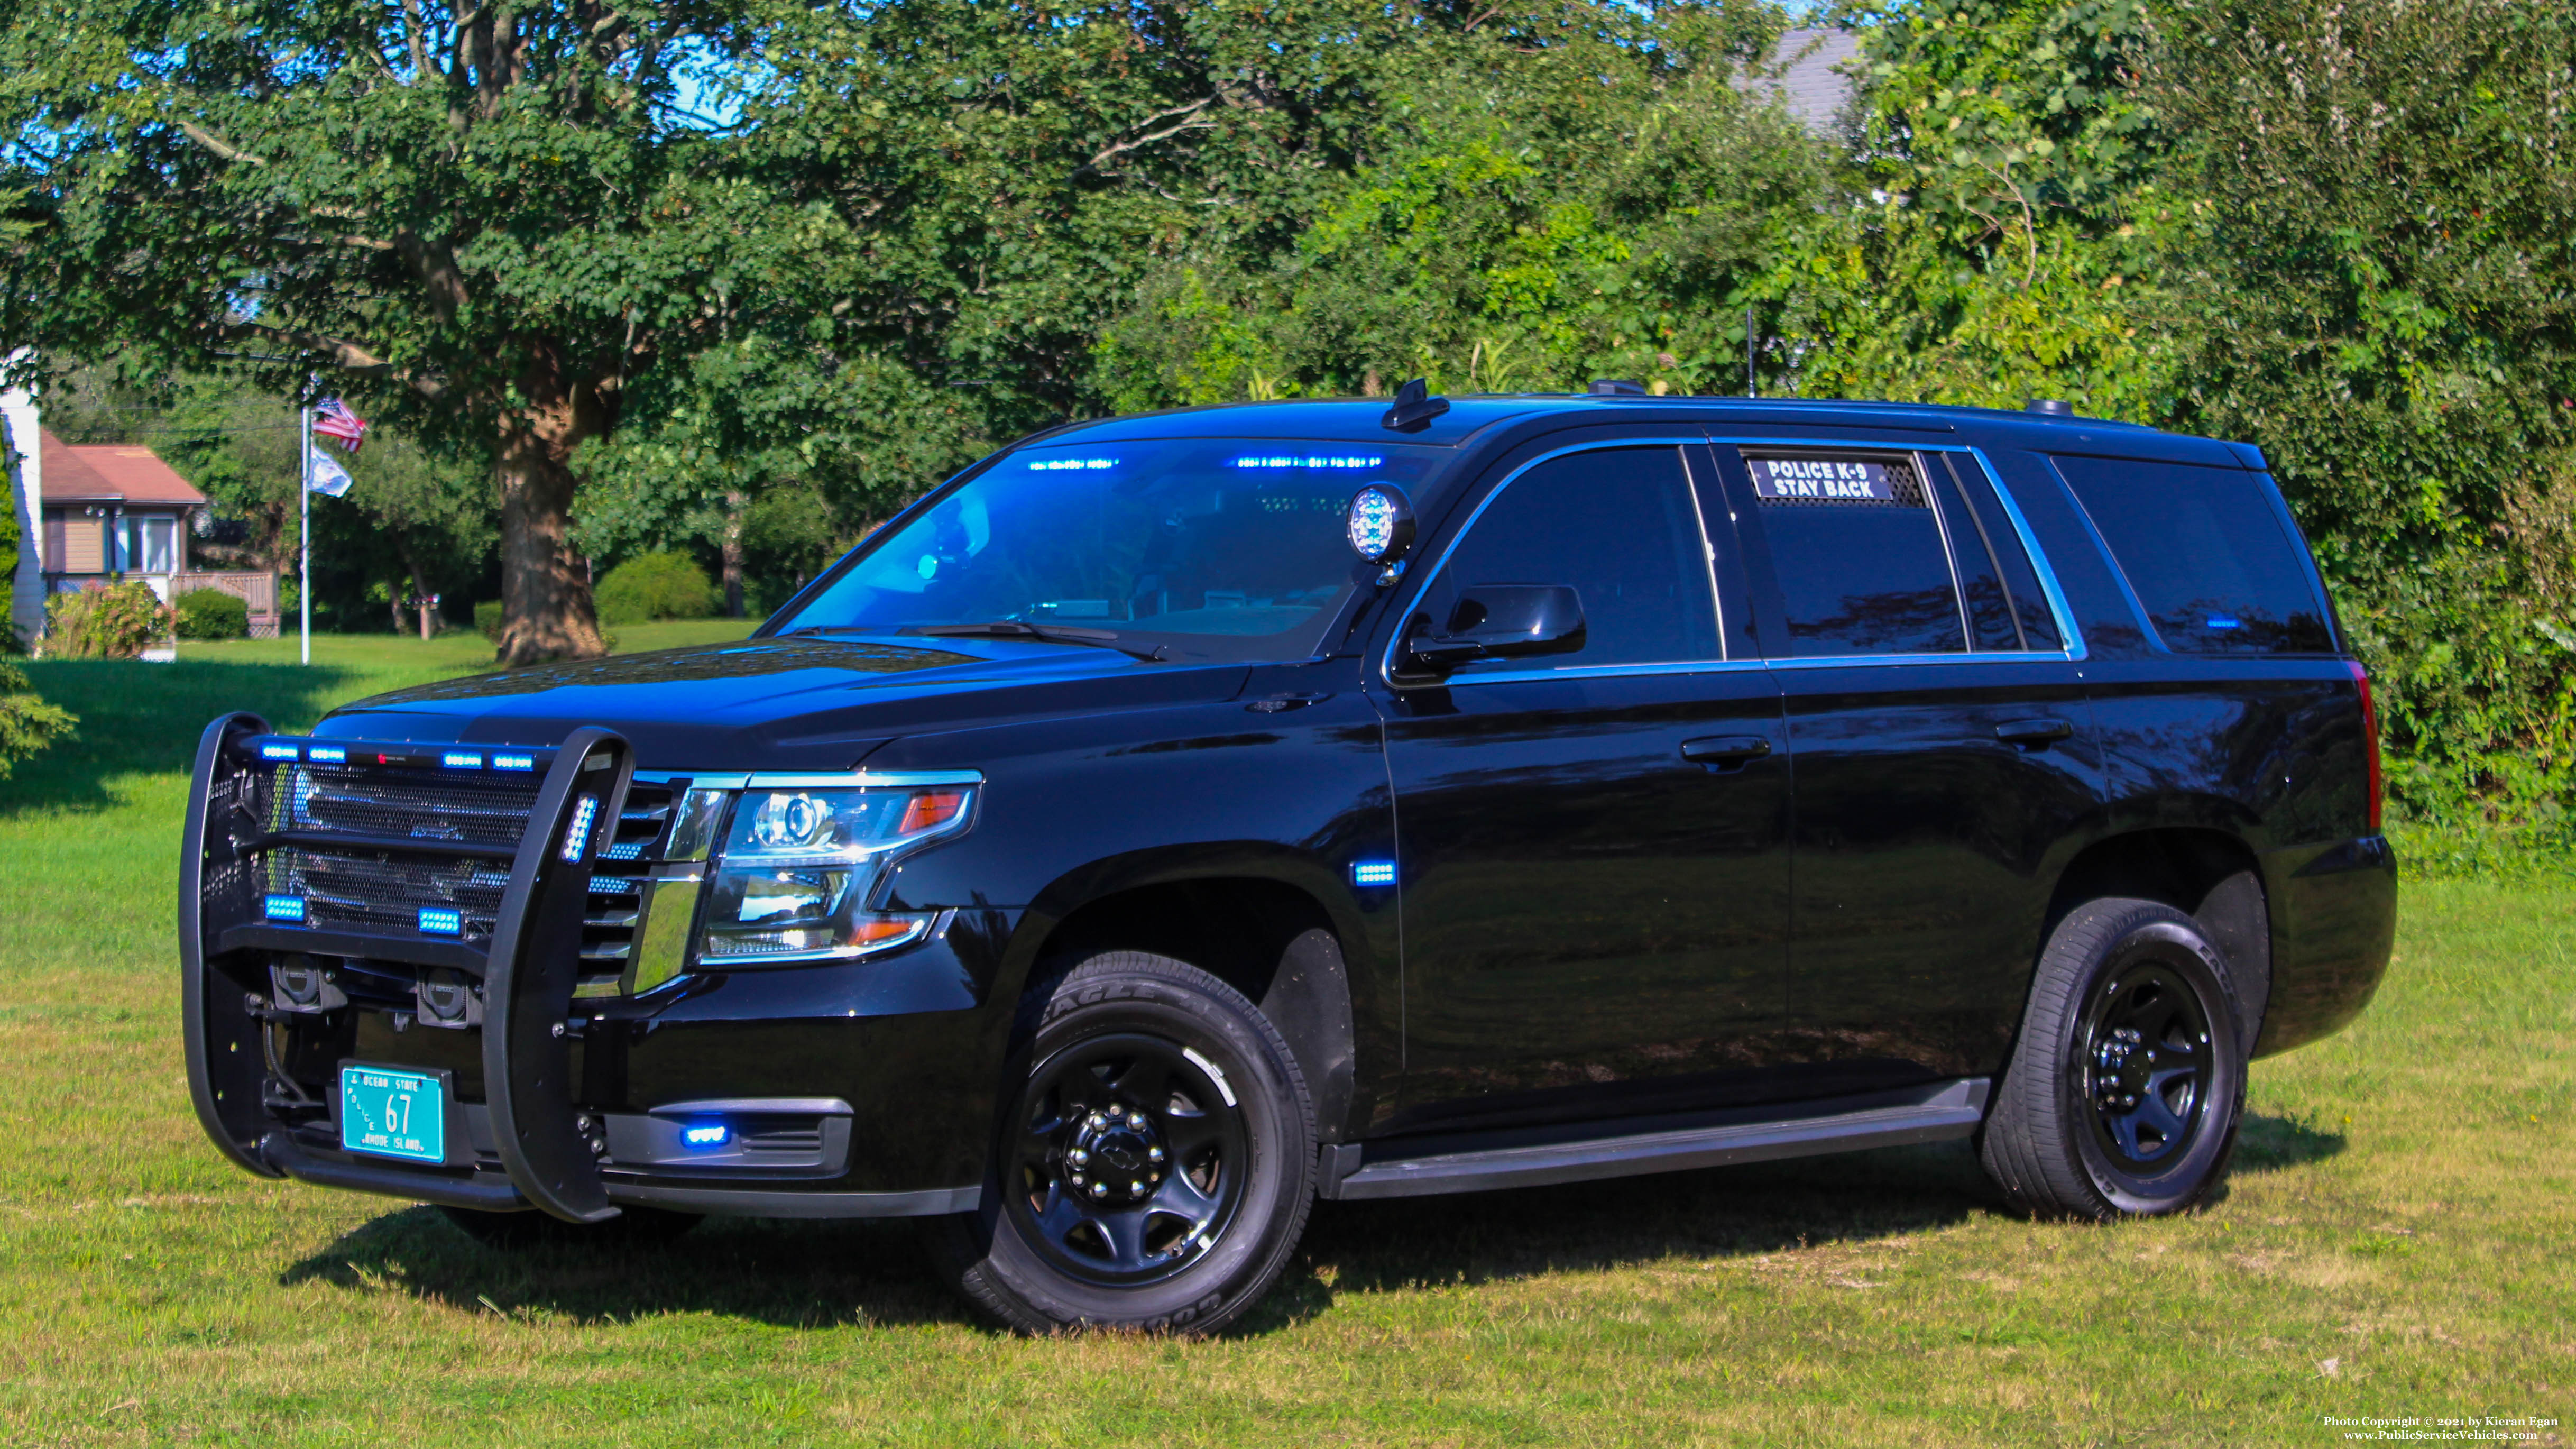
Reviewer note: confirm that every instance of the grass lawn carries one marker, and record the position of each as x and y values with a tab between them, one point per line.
2396	1239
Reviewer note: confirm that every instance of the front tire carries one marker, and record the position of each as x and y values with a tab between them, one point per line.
2126	1086
1155	1160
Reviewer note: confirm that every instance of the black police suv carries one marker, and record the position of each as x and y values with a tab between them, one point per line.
1174	819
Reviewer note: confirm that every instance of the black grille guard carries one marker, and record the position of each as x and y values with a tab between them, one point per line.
529	967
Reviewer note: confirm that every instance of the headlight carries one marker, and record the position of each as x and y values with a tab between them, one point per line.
792	879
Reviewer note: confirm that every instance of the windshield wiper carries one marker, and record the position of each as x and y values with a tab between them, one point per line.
1051	633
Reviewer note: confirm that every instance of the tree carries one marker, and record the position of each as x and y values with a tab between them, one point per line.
479	223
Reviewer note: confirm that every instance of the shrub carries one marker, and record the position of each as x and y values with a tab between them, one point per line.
213	614
487	619
655	586
27	724
105	621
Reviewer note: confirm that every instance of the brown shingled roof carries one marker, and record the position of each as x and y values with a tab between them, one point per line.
100	471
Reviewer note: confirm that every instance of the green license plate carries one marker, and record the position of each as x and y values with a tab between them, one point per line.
393	1112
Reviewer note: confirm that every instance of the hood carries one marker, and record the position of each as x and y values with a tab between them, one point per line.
780	704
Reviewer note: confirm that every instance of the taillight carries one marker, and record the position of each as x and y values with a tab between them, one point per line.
2370	733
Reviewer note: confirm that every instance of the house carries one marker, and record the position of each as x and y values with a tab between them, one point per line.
107	511
111	510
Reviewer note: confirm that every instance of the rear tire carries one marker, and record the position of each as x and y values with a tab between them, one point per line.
2124	1091
1154	1162
509	1232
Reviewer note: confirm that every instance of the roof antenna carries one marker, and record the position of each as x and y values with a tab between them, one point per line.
1414	408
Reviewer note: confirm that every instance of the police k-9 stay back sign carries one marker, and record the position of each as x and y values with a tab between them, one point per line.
1821	480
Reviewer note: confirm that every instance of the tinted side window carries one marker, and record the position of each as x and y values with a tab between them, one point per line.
1862	561
1619	525
2205	553
1986	521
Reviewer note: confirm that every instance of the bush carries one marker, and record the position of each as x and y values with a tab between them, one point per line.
655	586
27	724
105	621
213	614
487	619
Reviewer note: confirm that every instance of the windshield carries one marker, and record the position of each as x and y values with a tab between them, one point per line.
1209	548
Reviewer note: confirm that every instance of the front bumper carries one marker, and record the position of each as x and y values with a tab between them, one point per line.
851	1084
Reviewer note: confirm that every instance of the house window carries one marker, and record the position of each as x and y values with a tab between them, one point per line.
84	546
155	546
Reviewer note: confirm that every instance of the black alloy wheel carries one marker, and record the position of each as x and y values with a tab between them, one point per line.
2145	1064
1131	1158
2125	1087
1154	1159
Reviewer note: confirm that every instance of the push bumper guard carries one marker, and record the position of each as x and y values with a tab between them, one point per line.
238	834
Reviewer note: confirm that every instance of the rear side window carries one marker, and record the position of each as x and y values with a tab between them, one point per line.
1862	559
2206	554
1619	525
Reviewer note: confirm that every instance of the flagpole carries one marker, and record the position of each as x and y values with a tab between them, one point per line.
304	537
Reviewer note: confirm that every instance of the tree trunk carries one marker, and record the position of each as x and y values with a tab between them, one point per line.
546	610
419	591
734	504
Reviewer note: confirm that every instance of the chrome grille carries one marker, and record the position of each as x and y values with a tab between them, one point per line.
617	886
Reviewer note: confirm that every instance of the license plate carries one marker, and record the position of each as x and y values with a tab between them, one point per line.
393	1112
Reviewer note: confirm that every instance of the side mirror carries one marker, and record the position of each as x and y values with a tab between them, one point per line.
1504	621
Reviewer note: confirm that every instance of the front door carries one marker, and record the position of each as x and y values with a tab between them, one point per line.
1944	750
1593	844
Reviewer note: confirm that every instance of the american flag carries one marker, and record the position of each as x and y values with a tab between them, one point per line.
332	419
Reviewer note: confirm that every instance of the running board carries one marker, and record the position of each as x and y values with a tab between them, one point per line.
1936	1112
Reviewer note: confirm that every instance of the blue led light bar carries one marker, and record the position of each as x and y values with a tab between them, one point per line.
285	908
705	1136
514	762
1069	465
326	754
577	835
1373	872
440	921
1306	460
279	752
461	760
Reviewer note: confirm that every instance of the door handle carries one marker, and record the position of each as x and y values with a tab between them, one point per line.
2033	734
1726	752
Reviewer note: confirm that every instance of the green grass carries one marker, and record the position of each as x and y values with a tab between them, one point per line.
2394	1241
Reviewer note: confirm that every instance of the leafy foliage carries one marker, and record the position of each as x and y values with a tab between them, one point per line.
212	614
656	586
27	723
105	621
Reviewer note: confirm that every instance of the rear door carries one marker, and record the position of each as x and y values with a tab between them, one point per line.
1942	746
1595	921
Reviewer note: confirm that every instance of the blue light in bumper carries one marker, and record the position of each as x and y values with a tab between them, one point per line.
285	908
461	760
439	921
577	835
1373	872
514	762
705	1136
279	752
326	754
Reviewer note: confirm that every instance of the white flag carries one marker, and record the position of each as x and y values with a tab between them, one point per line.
327	477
